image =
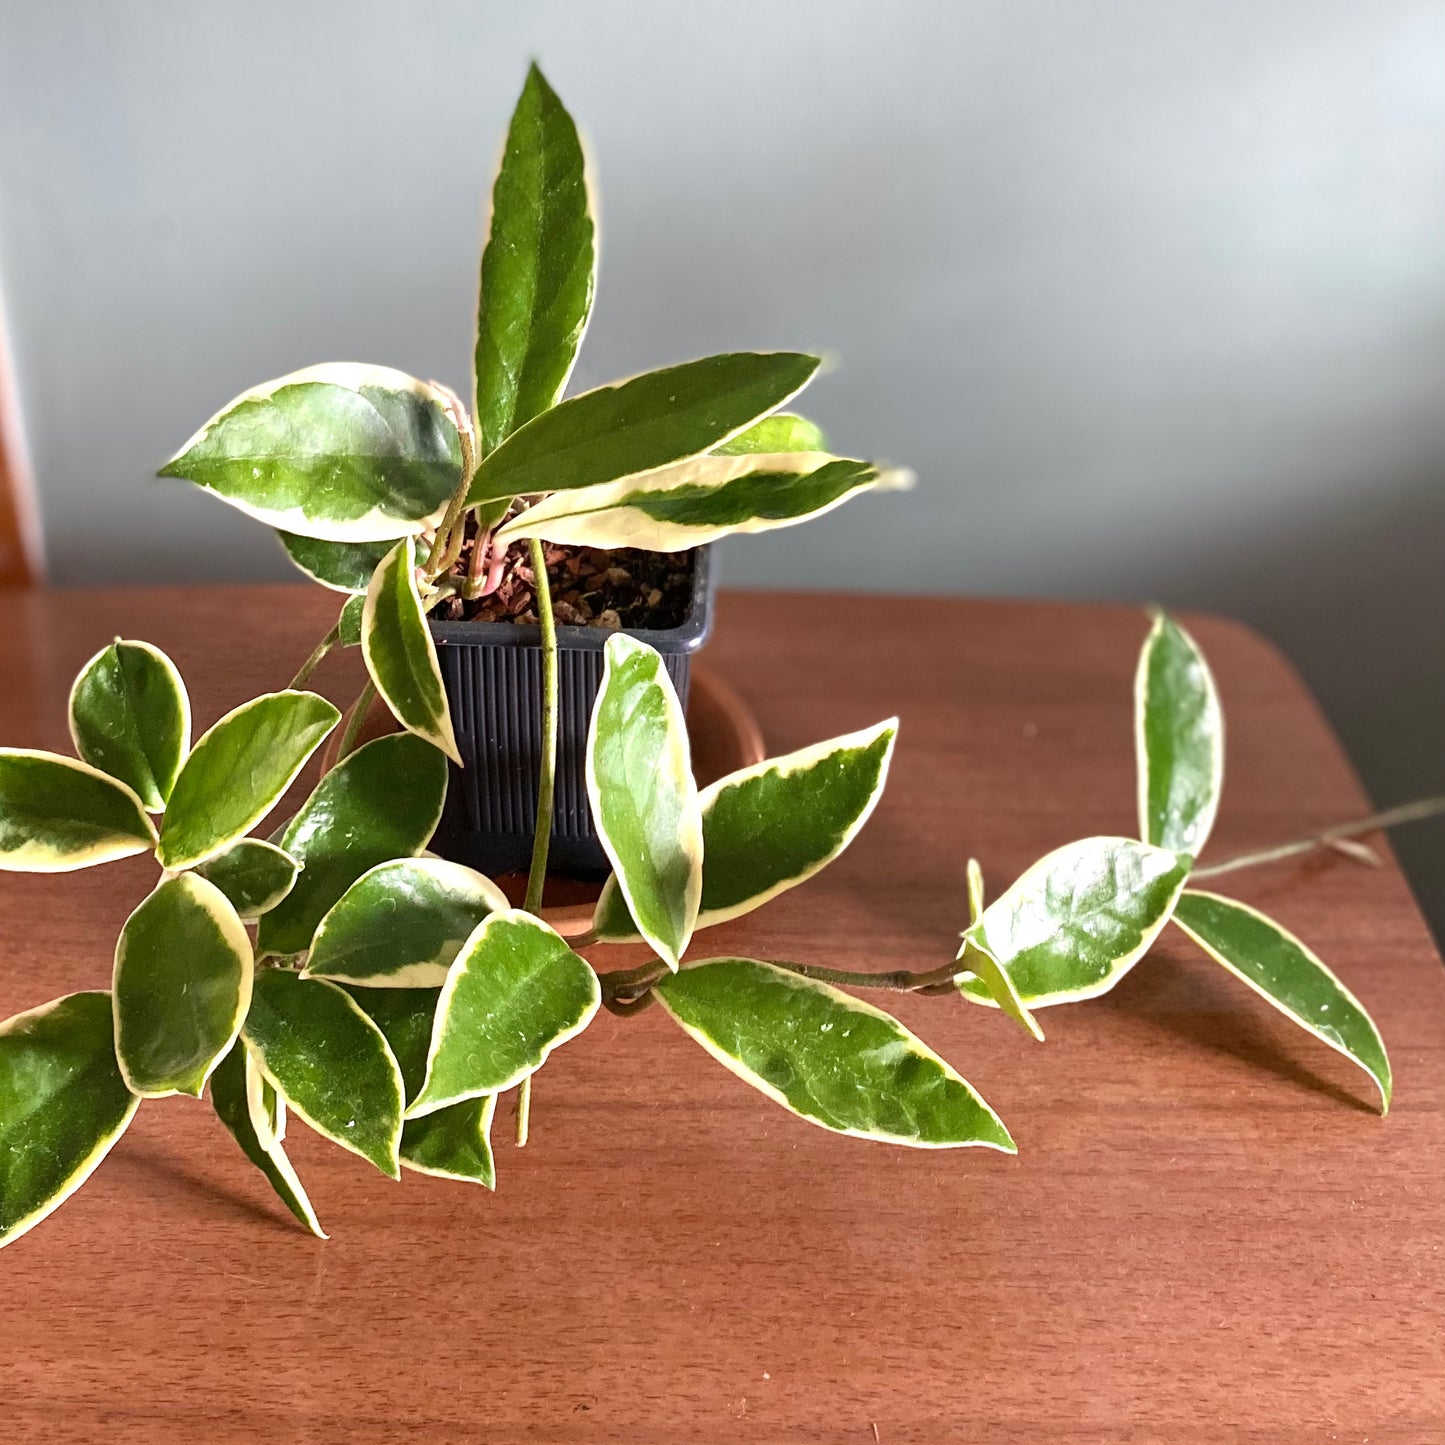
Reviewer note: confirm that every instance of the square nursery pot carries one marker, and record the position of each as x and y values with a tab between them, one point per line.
493	677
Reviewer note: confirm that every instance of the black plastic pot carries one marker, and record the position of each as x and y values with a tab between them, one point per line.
493	677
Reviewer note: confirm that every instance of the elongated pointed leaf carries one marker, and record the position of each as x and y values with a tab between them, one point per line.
769	827
1278	967
63	1104
1077	921
238	771
784	432
331	1064
538	270
646	422
254	875
341	566
828	1057
342	452
57	815
400	654
130	716
1179	739
348	624
182	985
644	799
700	501
382	802
515	992
250	1108
402	924
405	1017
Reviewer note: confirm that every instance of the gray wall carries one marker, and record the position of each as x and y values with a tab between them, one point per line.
1151	295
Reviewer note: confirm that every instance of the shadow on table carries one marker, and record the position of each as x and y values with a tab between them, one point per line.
156	1166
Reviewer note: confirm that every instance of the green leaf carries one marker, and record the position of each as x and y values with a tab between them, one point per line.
348	625
769	827
636	425
1179	738
514	993
238	771
63	1104
253	874
400	654
828	1057
330	1063
401	925
253	1112
643	796
1278	967
700	501
342	452
382	802
405	1017
57	815
538	270
130	716
182	985
782	432
341	566
1077	921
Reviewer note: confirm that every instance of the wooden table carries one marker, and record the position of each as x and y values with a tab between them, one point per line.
1207	1237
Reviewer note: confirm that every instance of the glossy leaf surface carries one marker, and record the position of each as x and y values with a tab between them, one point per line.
348	623
827	1056
341	566
254	875
783	432
57	815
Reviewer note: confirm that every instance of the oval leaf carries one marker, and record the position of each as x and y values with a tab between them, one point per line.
769	827
1073	925
784	432
341	566
538	270
400	654
343	452
700	501
348	624
182	985
643	796
636	425
255	1116
57	815
329	1062
254	875
828	1057
515	992
382	802
238	771
1179	740
1278	967
130	716
63	1104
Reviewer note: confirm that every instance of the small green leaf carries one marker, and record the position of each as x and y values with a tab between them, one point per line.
700	501
253	1112
63	1104
382	802
644	799
1179	738
1278	967
514	993
769	827
238	771
182	985
1077	921
636	425
828	1057
975	891
782	432
341	452
341	566
538	270
253	874
401	925
329	1062
130	716
400	654
57	815
405	1017
348	625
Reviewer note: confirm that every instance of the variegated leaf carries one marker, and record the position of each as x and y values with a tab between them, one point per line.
57	815
253	874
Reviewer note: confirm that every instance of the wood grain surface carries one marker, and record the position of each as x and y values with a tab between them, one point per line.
1208	1236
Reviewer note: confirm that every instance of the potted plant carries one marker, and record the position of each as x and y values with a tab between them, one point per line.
338	969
